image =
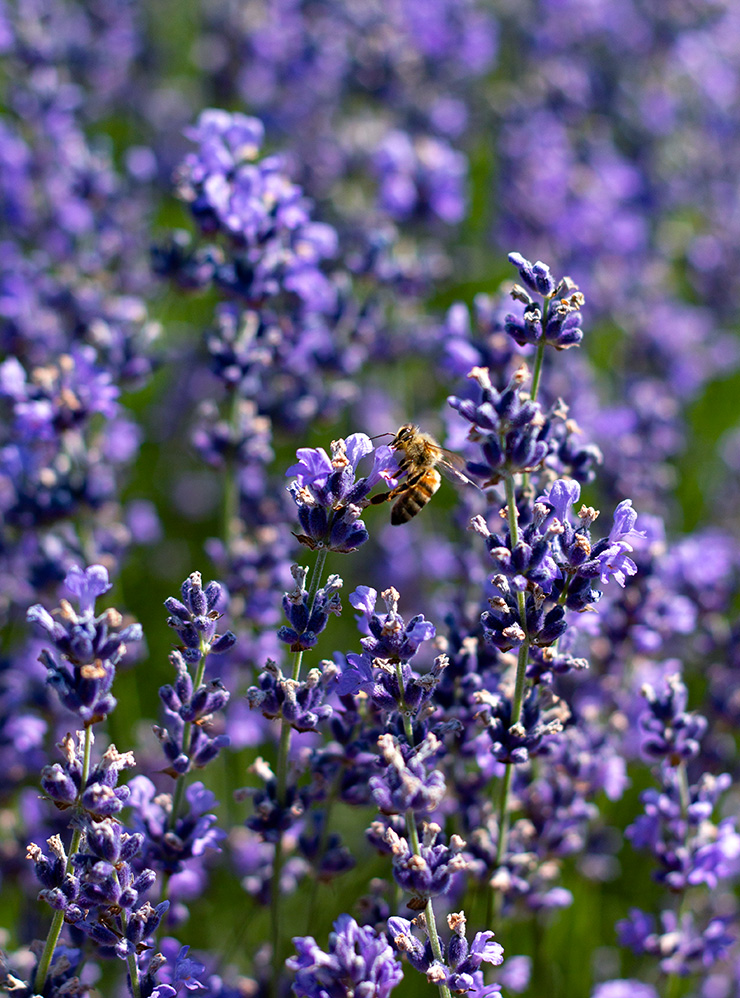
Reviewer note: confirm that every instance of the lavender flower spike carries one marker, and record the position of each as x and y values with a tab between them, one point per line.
359	962
90	647
329	498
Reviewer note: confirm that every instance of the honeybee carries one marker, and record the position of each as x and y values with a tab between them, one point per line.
422	455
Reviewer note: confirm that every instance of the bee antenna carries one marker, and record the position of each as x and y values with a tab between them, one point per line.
379	435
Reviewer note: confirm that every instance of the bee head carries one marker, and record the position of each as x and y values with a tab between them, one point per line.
407	432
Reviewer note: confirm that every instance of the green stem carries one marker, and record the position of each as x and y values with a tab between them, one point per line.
57	921
521	673
231	482
673	986
313	588
539	356
503	818
431	922
282	783
187	736
673	981
684	793
321	852
413	834
516	713
133	968
511	510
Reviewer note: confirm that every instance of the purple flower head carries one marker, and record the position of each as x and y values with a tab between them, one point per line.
87	585
460	970
464	960
669	731
502	627
189	704
556	320
179	971
329	497
683	946
100	796
72	389
406	942
409	781
195	618
225	141
168	848
391	685
535	276
358	961
363	599
306	619
560	497
506	425
624	989
425	876
277	249
390	637
623	530
89	647
530	736
300	703
719	859
420	177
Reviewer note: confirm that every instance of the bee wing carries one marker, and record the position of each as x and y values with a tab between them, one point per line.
452	466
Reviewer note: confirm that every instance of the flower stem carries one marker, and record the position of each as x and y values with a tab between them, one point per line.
133	967
312	590
539	356
187	735
231	482
57	921
431	922
521	673
413	834
673	981
282	784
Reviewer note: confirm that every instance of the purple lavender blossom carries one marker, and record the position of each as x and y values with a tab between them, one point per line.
300	703
100	796
624	989
167	846
669	731
408	782
461	970
419	176
91	647
280	248
428	873
308	618
195	618
357	957
557	321
329	498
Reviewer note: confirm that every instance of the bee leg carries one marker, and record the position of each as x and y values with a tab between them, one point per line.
384	496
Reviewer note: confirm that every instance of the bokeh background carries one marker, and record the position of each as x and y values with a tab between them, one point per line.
429	139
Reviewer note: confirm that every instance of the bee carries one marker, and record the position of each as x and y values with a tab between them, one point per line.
421	456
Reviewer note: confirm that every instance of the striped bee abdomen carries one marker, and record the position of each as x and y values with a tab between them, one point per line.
415	496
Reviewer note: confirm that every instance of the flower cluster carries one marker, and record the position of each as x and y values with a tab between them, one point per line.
278	248
103	897
548	697
358	958
461	969
90	647
330	499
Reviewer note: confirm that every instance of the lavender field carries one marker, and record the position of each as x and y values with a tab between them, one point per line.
369	480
